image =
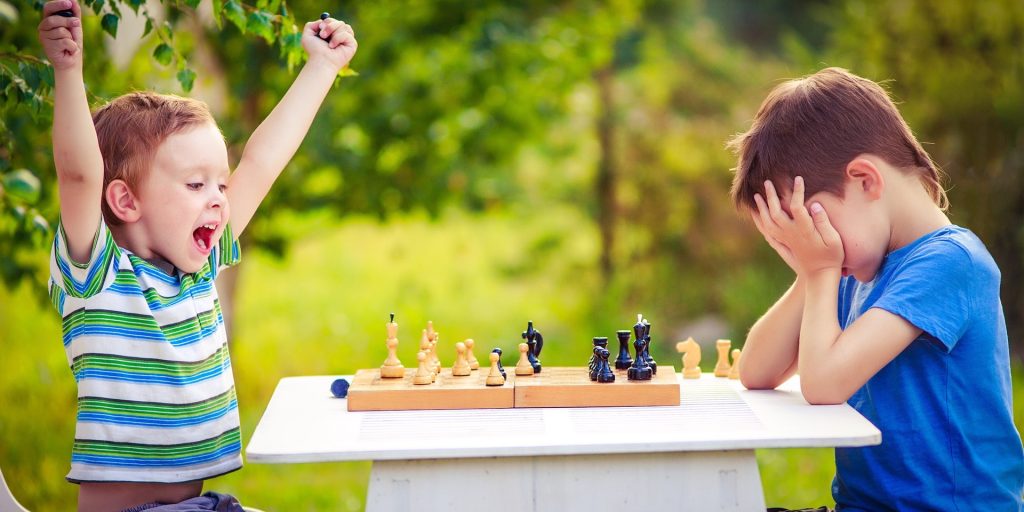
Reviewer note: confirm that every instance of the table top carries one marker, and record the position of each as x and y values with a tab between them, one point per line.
304	423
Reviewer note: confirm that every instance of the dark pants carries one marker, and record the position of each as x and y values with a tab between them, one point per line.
211	501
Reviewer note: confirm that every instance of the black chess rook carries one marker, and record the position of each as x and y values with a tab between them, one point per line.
623	360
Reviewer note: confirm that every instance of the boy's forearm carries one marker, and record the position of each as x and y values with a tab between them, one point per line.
770	351
277	138
819	332
274	143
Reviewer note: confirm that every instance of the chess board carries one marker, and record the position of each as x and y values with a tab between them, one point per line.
552	387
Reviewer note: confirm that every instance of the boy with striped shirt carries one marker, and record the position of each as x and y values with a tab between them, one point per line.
145	229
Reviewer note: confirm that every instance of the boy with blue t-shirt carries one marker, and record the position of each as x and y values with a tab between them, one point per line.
894	309
150	214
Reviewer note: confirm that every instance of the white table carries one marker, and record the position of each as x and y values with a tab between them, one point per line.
697	456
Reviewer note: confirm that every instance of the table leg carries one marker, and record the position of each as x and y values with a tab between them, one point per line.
697	481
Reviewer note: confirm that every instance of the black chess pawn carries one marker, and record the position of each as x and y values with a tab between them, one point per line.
647	347
500	368
536	343
604	370
624	360
640	369
592	364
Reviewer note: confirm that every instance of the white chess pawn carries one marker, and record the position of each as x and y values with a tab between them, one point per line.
423	374
494	378
734	372
435	361
473	363
461	367
523	367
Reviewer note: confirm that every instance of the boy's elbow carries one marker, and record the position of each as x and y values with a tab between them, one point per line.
753	381
821	391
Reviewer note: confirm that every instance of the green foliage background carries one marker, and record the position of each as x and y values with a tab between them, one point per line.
492	162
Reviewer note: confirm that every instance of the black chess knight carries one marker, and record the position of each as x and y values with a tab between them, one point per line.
604	371
592	364
536	343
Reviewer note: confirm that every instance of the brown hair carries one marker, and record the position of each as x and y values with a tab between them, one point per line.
814	126
131	128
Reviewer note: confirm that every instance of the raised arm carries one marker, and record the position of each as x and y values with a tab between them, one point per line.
275	141
76	152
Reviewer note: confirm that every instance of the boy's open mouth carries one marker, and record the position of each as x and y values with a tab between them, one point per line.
203	236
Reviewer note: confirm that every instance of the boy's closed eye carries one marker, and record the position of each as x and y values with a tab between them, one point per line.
194	186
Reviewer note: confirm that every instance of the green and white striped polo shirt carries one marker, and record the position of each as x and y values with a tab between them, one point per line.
148	350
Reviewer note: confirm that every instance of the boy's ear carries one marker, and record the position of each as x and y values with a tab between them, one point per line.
122	201
866	177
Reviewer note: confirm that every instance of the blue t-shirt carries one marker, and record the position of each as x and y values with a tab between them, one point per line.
943	404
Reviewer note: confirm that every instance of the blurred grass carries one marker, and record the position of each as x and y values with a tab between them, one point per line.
322	309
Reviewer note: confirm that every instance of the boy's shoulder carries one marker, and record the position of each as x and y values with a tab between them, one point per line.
952	249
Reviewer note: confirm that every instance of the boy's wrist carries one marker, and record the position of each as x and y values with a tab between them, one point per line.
817	280
321	64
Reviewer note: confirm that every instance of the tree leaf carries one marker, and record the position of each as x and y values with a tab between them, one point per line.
109	24
163	54
22	184
259	24
186	77
234	13
218	6
149	27
192	3
8	12
97	6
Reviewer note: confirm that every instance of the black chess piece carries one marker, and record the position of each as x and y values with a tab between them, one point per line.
624	360
595	362
592	365
647	347
604	370
640	369
536	343
500	368
66	13
324	16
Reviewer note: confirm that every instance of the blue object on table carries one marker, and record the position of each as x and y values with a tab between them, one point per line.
339	388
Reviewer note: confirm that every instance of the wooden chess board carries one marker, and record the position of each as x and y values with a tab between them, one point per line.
552	387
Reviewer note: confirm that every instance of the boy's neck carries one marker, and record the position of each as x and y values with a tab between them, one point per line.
131	237
913	212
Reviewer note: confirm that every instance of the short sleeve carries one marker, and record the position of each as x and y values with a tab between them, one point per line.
227	252
82	280
932	289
